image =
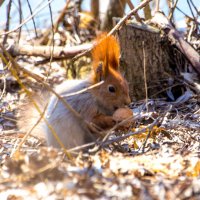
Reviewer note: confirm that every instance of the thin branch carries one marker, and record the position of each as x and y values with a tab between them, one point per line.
131	6
126	17
186	15
4	86
28	19
61	16
170	17
157	8
59	19
194	7
146	139
87	127
106	142
1	2
116	139
192	12
188	2
14	70
7	21
33	20
117	26
120	138
75	93
20	18
52	41
145	76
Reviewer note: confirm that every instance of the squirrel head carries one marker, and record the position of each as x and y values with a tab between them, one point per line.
114	92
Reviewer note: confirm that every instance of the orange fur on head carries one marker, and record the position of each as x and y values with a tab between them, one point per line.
105	55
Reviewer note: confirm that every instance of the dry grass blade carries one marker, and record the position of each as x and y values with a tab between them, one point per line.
15	67
155	155
77	115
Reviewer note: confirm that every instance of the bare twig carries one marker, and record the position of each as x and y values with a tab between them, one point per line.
4	86
195	19
120	138
197	11
131	6
147	12
61	16
81	147
59	19
85	125
20	18
7	21
186	15
1	2
14	70
188	2
75	93
52	41
117	26
170	17
149	127
103	141
157	8
84	90
28	19
145	76
122	21
146	139
29	5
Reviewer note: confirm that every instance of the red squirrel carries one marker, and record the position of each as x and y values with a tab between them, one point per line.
95	105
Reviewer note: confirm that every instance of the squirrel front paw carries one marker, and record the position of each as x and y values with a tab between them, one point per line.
104	121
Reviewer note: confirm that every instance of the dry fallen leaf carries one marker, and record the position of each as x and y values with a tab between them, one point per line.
194	169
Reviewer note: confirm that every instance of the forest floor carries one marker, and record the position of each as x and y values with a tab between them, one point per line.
159	160
162	162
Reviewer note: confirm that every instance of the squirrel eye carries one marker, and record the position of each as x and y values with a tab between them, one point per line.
111	88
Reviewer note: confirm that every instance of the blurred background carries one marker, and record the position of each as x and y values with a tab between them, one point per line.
42	19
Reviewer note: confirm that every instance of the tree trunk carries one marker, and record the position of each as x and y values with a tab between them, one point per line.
142	44
95	9
115	9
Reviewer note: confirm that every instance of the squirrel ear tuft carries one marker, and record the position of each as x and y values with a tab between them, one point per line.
113	52
106	52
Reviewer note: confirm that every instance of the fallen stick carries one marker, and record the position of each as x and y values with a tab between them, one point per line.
45	51
177	39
